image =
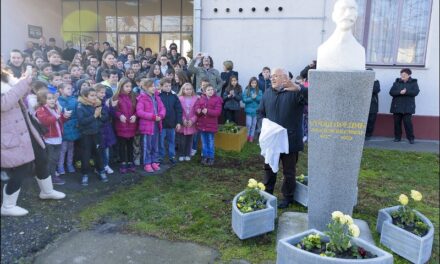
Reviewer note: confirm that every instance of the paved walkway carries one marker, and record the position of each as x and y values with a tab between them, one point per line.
431	146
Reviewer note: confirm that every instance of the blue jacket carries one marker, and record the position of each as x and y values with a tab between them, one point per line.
88	124
173	108
263	84
251	105
71	132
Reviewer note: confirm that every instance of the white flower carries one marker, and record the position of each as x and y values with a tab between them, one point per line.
337	215
252	183
354	230
417	196
348	219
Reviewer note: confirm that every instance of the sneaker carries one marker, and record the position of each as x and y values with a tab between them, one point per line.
56	180
108	170
251	139
285	203
85	180
172	161
71	169
193	152
397	140
61	171
148	168
103	177
123	169
305	139
131	168
210	162
204	161
187	158
411	141
137	162
155	166
181	158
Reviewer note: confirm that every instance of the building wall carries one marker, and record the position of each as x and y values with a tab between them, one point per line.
290	39
18	14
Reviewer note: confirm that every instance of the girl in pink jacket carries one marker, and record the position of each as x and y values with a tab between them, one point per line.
125	123
188	98
150	111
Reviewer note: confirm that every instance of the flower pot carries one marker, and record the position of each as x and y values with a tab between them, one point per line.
288	253
301	194
254	223
406	244
231	141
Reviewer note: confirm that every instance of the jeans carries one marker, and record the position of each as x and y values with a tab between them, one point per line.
207	144
196	138
251	123
306	121
170	135
150	147
105	156
66	146
137	147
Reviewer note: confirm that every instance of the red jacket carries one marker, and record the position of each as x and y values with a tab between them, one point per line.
208	122
49	121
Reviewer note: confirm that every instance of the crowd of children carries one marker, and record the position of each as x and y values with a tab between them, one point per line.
135	110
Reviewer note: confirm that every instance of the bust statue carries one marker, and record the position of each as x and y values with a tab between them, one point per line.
342	52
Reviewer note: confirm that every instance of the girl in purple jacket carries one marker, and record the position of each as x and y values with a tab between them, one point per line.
208	108
125	123
150	111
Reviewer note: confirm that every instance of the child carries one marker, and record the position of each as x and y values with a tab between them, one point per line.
91	72
125	123
68	104
172	120
75	75
110	78
45	71
90	117
108	137
208	108
54	59
65	76
150	111
130	74
31	98
187	98
196	138
49	115
156	74
81	84
54	81
136	66
232	98
251	100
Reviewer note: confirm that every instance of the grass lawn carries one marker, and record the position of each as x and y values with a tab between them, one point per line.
193	203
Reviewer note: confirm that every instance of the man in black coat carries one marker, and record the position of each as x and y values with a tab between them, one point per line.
69	53
284	105
374	108
404	91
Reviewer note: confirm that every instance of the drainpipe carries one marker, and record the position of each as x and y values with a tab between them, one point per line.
324	18
197	30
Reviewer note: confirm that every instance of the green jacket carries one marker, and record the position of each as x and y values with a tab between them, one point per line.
212	74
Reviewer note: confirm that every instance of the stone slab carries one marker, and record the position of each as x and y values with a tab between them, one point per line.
339	105
95	247
292	223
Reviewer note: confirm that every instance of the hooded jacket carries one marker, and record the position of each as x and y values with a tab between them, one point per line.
125	107
404	103
145	112
208	122
70	103
173	109
87	123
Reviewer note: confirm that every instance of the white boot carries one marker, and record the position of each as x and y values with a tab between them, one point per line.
47	191
9	206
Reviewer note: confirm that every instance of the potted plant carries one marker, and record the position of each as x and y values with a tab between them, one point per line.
340	244
301	194
406	231
253	211
230	137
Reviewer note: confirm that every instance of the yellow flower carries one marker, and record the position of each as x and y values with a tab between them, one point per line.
252	183
261	186
403	199
348	219
337	215
417	196
239	205
354	230
323	255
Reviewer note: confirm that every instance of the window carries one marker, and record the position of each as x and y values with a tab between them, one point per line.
394	32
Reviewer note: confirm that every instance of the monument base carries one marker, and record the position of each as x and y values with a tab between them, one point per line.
292	223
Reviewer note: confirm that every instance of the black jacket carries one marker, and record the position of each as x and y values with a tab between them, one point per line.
173	109
69	54
18	71
88	124
404	103
286	109
263	84
374	106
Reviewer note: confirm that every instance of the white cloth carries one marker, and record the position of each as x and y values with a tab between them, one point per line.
273	141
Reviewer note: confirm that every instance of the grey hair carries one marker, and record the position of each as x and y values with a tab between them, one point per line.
284	71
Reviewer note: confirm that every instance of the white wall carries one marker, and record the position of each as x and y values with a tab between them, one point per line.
290	39
18	14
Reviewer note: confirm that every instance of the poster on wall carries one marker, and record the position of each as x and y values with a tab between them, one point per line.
35	31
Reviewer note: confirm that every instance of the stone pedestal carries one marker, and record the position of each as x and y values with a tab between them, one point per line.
339	105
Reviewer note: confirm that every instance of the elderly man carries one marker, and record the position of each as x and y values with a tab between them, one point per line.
284	105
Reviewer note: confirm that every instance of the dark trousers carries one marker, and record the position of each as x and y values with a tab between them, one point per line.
407	123
289	172
53	155
184	143
125	149
231	115
90	147
370	124
17	174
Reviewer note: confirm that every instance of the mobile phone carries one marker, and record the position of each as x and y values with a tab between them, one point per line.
29	69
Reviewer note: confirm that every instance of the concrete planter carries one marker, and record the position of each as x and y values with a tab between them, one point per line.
257	222
231	141
288	253
407	245
301	194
